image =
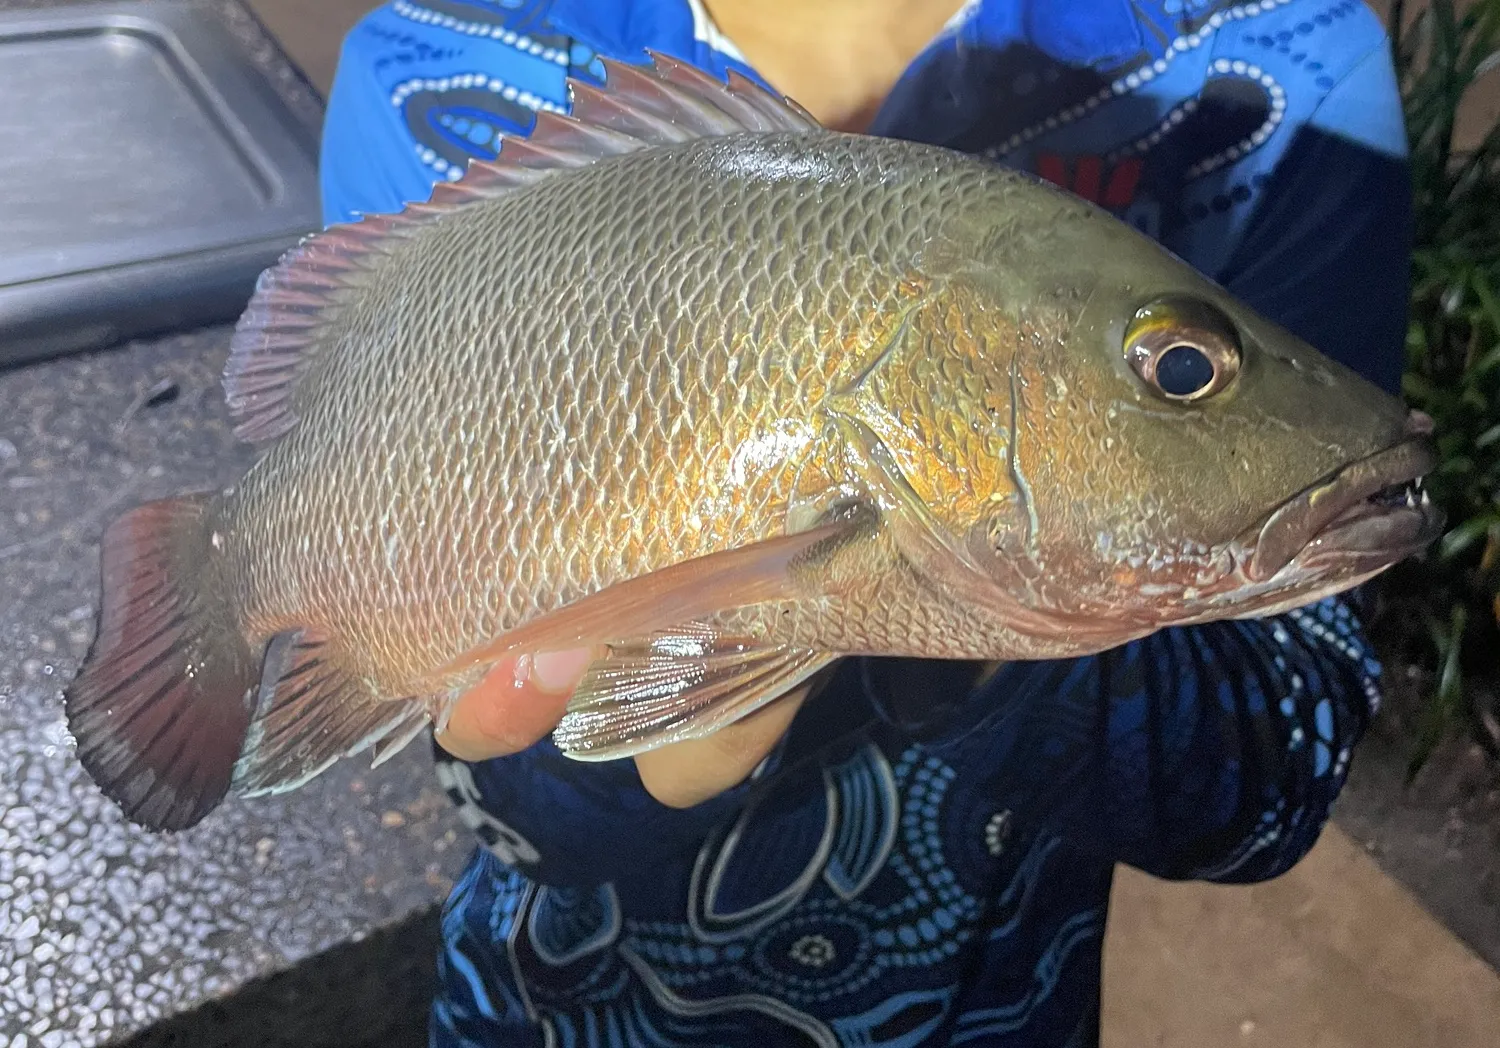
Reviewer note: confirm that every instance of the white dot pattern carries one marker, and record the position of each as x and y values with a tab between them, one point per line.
504	34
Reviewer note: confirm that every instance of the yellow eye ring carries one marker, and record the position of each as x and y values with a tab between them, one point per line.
1185	350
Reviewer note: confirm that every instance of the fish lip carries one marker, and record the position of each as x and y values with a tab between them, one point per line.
1339	507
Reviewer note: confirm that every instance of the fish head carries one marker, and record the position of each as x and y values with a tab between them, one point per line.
1151	450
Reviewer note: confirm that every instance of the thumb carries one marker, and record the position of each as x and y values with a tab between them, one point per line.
518	702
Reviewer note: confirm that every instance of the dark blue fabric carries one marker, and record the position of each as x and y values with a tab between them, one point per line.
923	861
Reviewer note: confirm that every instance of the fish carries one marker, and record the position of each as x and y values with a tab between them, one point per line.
686	378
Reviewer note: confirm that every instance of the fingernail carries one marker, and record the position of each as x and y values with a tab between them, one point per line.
556	672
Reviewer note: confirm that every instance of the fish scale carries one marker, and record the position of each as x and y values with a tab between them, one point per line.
724	396
585	382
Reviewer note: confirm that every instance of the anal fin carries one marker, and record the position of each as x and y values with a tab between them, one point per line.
312	711
683	682
399	737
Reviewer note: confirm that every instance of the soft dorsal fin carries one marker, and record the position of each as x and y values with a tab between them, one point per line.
279	334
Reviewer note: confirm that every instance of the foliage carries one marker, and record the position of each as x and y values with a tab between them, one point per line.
1453	363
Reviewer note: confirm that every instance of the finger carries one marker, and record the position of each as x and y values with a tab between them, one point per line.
520	700
688	773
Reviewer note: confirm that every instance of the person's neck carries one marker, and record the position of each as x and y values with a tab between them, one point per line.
838	58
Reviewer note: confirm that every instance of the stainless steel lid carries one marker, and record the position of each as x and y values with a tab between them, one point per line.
155	156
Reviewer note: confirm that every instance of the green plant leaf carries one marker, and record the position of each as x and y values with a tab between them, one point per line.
1460	538
1439	714
1452	344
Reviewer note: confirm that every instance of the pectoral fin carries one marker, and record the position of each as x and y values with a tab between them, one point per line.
777	569
670	672
679	683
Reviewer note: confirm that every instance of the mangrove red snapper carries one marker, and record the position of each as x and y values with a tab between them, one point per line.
687	377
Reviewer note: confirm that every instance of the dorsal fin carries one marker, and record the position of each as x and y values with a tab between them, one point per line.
279	334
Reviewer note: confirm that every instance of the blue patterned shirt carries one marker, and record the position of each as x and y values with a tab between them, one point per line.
922	860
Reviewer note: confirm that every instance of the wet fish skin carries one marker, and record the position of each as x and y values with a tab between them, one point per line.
737	404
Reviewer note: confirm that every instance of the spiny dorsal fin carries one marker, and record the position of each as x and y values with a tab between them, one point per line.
280	332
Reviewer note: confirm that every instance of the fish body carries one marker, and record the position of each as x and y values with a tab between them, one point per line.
616	390
689	376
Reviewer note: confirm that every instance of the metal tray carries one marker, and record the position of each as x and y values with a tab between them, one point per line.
155	156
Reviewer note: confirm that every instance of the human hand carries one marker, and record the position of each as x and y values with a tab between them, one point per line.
523	697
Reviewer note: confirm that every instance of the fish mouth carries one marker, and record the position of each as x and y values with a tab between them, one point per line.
1365	516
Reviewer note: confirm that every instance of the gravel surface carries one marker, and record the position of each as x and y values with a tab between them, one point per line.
105	928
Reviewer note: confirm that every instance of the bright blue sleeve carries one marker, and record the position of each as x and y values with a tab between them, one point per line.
366	165
414	101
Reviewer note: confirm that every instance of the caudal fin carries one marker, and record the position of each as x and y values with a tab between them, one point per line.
163	702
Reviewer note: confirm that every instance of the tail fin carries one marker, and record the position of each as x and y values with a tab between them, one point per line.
163	702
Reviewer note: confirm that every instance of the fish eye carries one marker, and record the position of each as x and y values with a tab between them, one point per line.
1183	349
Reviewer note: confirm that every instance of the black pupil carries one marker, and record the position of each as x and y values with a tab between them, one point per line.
1183	370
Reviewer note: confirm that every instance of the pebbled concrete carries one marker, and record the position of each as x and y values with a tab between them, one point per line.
105	928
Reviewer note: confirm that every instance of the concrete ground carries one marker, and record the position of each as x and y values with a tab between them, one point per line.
1333	955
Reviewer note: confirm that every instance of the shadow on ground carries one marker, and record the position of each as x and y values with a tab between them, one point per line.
369	994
